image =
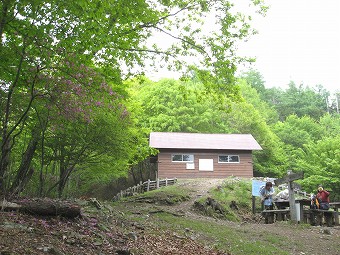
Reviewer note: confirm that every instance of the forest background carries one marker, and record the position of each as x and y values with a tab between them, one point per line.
77	107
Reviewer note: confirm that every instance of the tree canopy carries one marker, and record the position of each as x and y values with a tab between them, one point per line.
62	67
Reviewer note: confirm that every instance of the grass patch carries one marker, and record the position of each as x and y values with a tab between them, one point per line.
274	239
238	190
221	237
166	195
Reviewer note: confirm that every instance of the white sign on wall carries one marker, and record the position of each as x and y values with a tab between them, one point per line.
206	164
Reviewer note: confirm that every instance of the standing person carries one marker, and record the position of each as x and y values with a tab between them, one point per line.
323	198
266	193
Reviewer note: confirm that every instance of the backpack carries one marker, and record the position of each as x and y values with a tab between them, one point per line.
314	203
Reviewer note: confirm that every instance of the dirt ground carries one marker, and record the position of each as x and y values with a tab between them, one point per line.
104	231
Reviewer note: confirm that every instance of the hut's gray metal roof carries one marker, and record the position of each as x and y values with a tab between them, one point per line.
172	140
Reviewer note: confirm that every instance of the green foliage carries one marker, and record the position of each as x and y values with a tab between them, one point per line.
297	131
252	96
255	80
321	163
330	125
245	118
95	151
304	123
298	100
175	106
294	133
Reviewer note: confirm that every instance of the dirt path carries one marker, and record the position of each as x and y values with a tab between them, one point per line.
197	189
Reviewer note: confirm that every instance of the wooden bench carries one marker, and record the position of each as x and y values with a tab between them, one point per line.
318	217
269	215
336	206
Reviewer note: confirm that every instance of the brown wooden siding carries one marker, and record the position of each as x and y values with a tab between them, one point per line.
169	169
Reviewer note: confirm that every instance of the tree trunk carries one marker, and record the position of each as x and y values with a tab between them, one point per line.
64	175
25	172
6	130
4	163
133	175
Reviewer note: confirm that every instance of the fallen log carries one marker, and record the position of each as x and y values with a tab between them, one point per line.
45	207
51	208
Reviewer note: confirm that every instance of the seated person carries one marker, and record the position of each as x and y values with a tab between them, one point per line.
323	198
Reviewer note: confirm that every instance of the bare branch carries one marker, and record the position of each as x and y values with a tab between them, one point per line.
199	48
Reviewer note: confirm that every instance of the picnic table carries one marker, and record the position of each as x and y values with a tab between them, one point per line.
282	204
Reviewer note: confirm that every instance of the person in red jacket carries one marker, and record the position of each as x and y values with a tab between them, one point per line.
323	198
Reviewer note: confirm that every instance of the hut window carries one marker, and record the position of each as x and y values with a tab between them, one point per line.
228	159
182	158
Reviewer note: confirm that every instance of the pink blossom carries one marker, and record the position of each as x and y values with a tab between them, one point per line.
125	113
68	82
78	91
103	85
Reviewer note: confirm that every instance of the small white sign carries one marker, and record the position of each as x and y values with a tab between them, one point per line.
190	166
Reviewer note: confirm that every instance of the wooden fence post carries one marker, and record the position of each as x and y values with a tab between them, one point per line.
157	185
141	187
166	182
253	204
148	187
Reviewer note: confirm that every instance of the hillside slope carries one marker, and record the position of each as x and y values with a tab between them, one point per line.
161	222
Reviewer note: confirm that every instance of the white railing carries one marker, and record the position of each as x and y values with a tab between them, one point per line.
143	187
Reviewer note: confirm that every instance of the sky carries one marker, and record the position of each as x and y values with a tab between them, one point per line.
298	40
